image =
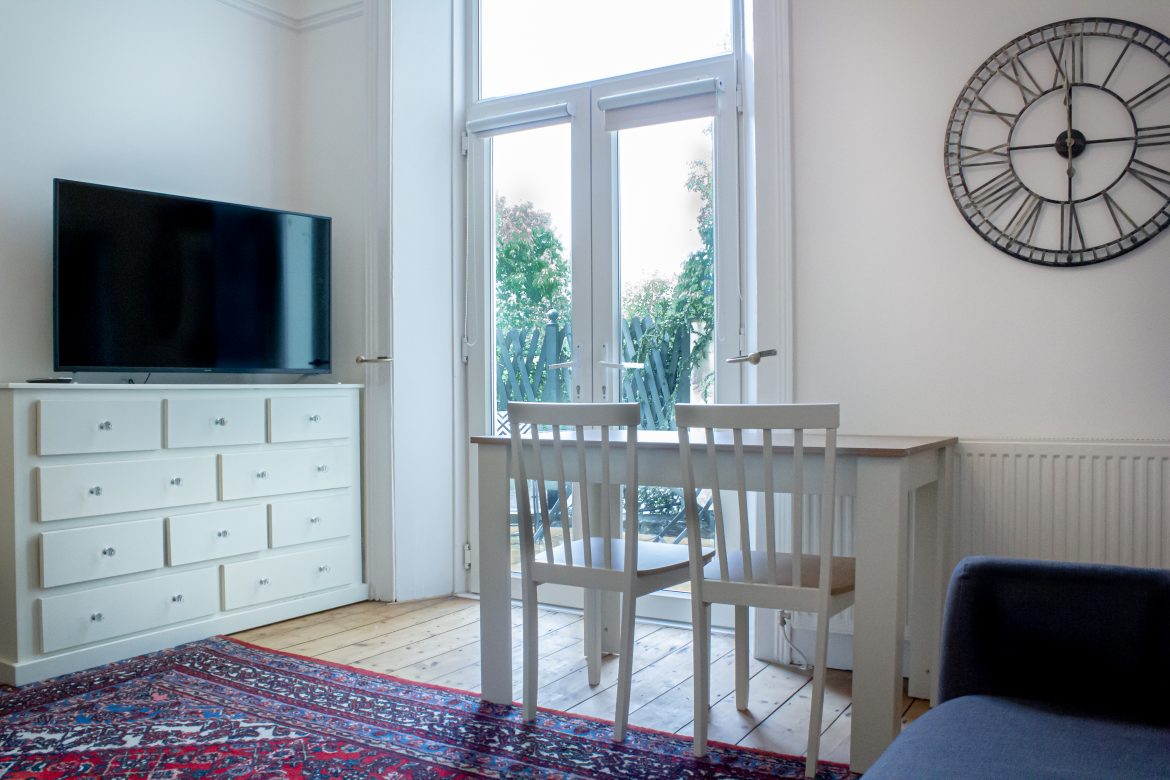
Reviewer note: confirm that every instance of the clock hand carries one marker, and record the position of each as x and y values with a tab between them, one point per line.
1069	141
1020	147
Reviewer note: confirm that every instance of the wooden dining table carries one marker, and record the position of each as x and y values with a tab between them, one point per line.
900	488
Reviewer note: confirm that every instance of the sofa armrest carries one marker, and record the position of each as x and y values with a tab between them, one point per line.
1084	635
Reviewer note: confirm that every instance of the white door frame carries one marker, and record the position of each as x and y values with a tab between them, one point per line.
377	419
594	251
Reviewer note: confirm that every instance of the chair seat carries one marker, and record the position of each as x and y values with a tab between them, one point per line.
653	557
990	737
841	570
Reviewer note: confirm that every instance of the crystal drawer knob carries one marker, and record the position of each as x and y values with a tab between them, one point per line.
177	481
109	552
105	425
264	581
220	421
314	418
322	468
177	598
96	490
261	475
322	569
96	617
223	534
314	520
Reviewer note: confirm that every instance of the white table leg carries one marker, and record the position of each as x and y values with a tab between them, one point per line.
495	577
879	611
924	593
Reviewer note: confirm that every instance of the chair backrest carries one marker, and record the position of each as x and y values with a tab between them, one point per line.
570	465
763	438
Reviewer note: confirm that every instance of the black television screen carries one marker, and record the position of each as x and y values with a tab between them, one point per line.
151	282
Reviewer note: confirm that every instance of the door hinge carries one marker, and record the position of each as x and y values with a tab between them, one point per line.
465	144
738	98
467	556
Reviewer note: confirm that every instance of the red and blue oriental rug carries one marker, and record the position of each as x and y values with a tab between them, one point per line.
221	708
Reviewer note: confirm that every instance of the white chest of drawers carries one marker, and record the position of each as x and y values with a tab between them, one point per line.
134	518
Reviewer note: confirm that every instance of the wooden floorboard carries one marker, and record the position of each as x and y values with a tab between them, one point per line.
437	641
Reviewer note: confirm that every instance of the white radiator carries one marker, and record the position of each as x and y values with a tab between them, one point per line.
1099	502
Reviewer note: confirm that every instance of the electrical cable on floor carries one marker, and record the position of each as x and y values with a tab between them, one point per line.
784	622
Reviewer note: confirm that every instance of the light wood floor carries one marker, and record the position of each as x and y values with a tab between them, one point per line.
437	641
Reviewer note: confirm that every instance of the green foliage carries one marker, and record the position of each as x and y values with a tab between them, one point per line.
687	302
649	299
532	274
659	501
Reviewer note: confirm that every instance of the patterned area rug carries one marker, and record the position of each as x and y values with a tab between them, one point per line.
221	708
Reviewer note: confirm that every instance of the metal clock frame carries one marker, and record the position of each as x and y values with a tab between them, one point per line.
978	205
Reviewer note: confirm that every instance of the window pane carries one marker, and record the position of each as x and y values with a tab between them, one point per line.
666	266
529	45
532	266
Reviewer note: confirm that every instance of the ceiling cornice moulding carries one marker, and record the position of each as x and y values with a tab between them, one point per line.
300	15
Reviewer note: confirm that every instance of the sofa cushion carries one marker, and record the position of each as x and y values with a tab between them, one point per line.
995	737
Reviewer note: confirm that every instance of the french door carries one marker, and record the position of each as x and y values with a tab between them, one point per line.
604	259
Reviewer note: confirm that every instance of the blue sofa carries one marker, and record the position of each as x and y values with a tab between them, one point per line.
1057	670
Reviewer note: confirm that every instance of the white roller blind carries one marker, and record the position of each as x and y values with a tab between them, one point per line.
670	103
528	118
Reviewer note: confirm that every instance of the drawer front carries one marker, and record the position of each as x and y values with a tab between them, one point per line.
207	535
252	474
309	417
67	427
211	422
283	576
310	519
90	489
117	610
81	554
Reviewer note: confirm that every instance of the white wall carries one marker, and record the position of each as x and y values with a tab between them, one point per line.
193	97
332	171
903	313
422	230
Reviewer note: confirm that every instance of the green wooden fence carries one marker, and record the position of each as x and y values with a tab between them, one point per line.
523	358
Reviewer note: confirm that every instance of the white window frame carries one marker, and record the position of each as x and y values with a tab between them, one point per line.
734	209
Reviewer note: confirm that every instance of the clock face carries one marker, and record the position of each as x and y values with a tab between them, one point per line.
1058	148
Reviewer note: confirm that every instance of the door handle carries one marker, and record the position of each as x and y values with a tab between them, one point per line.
610	364
378	359
753	357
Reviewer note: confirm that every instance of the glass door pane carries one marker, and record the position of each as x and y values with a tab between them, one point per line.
532	268
666	267
666	271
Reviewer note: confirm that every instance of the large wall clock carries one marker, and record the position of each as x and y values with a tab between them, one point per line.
1058	148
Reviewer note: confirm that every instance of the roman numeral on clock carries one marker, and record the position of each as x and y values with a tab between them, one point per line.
990	196
1157	179
1026	218
973	156
1154	135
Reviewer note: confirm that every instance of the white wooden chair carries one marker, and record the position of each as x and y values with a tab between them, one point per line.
591	552
759	575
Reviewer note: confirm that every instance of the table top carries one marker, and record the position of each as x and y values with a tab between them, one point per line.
847	444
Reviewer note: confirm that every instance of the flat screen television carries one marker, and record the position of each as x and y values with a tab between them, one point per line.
150	282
